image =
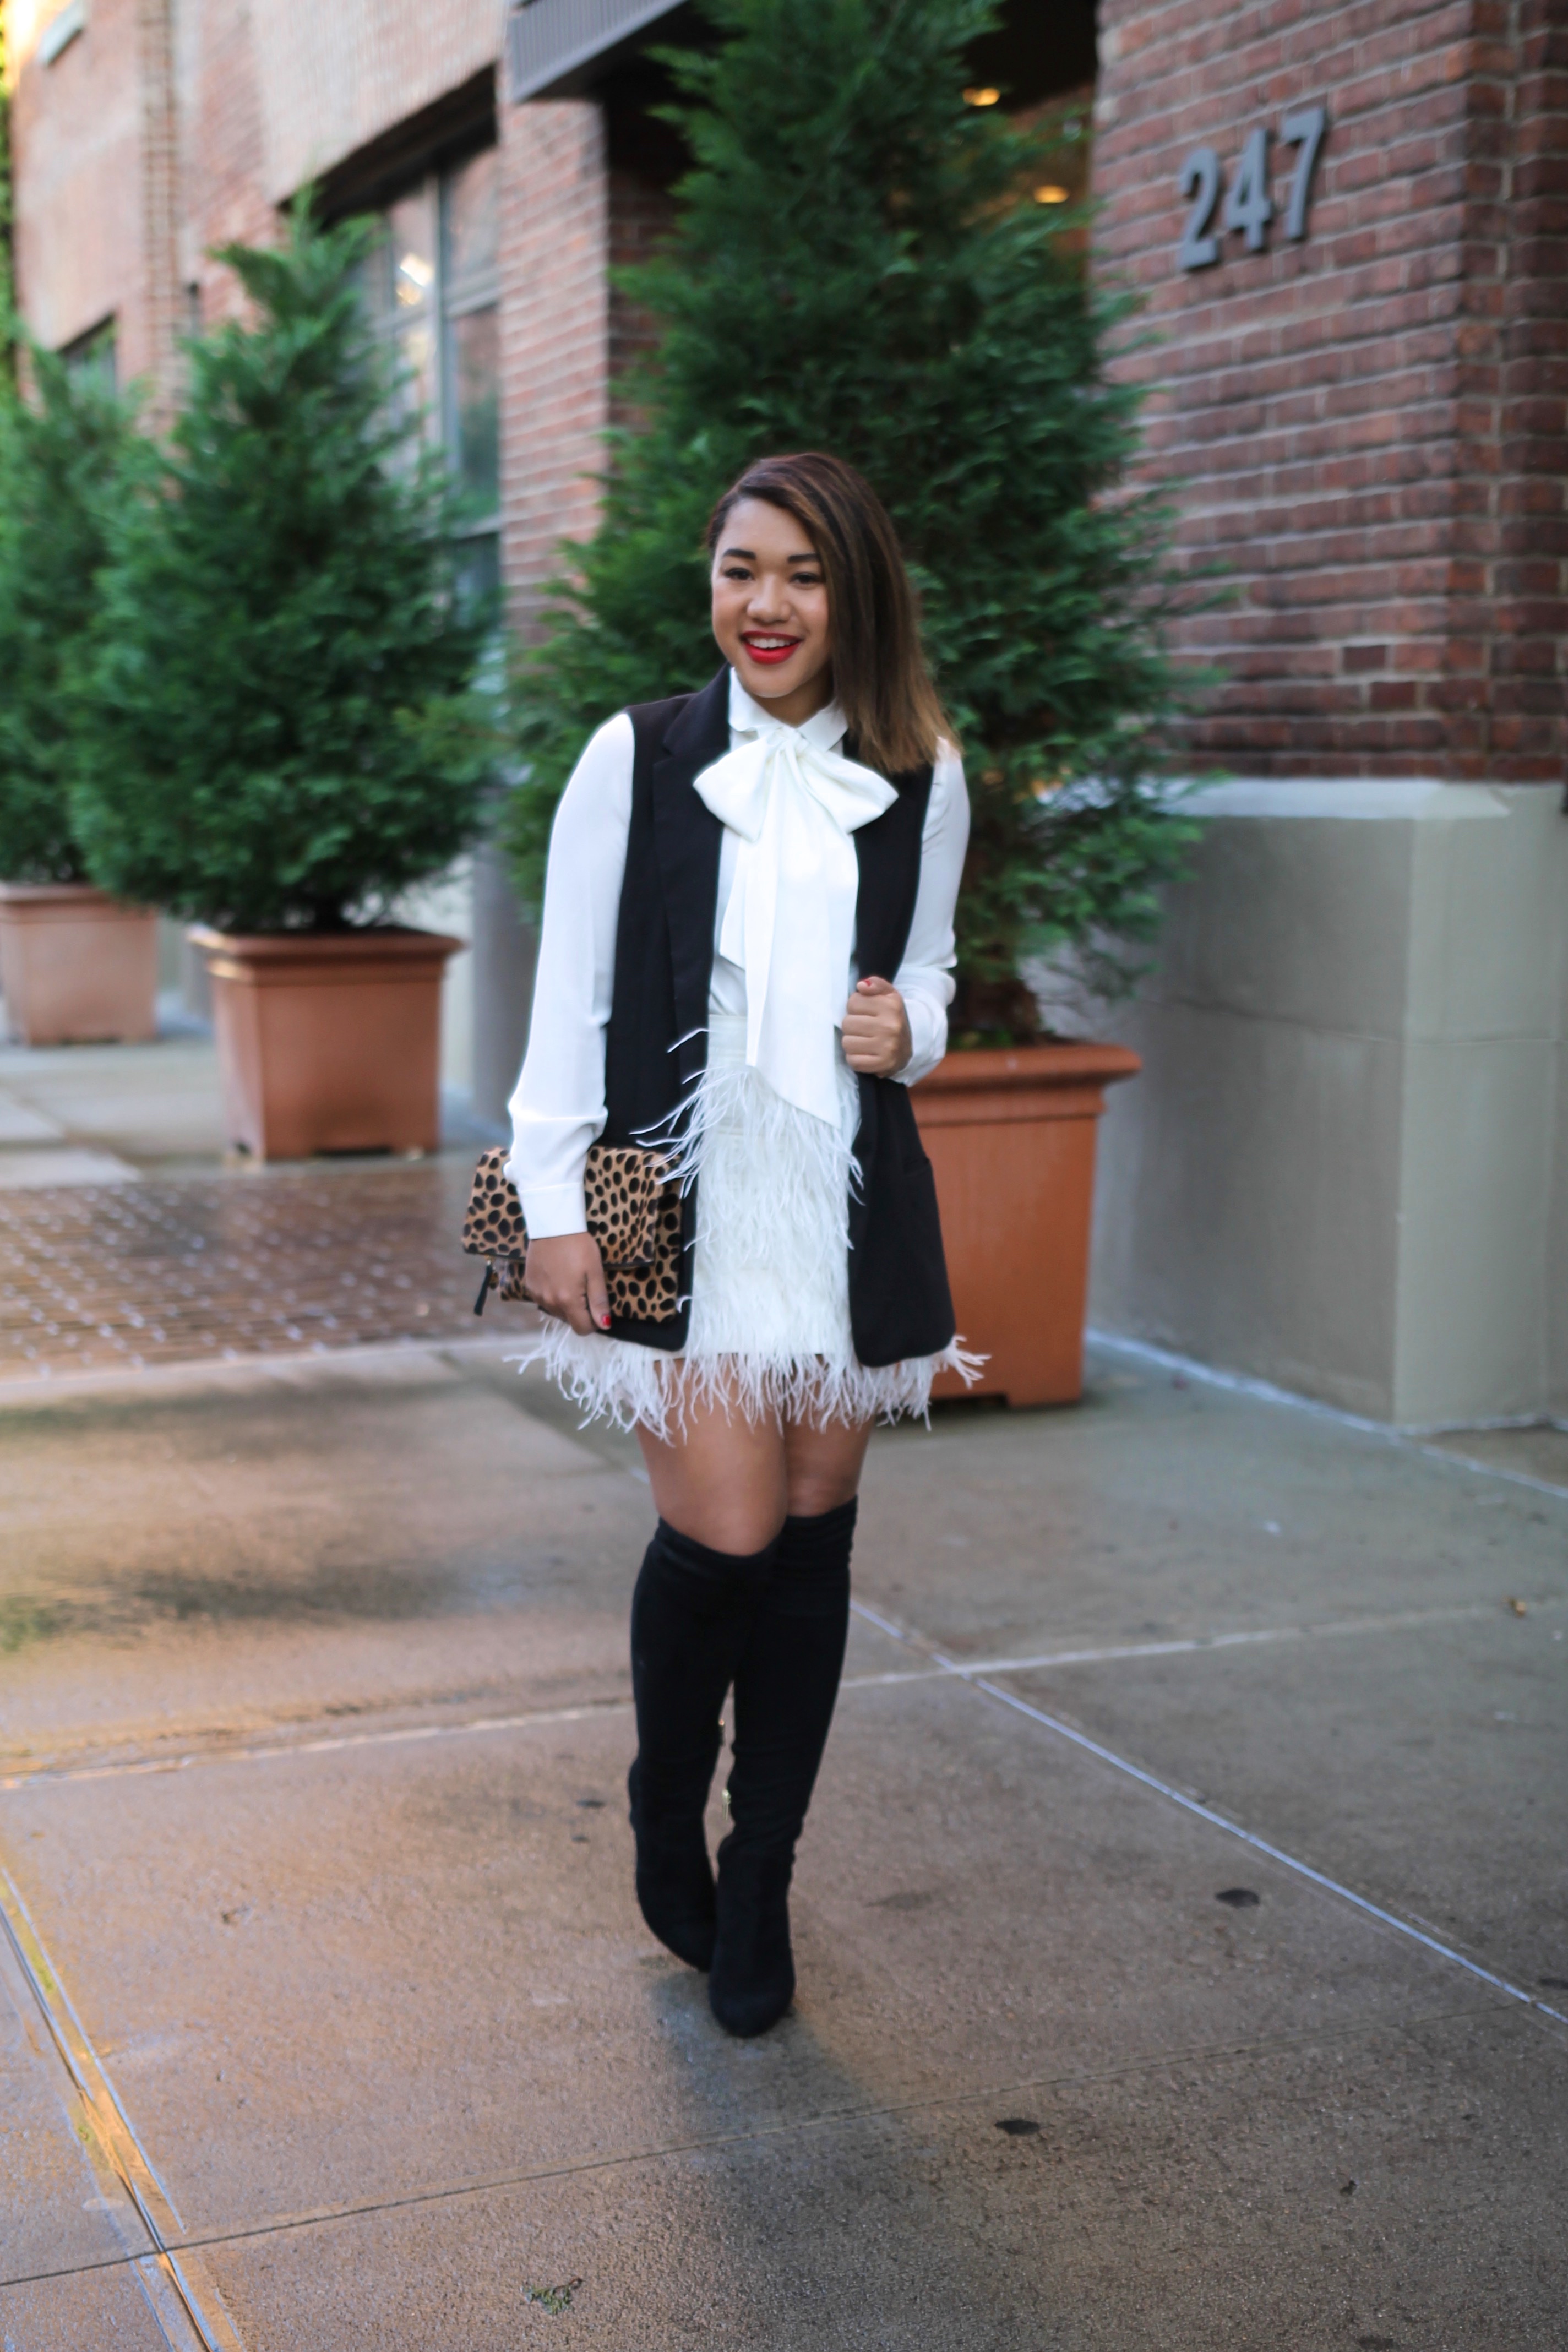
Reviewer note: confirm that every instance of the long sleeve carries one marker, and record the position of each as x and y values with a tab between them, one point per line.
558	1109
925	979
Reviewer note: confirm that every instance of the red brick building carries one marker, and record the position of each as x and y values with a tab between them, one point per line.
1368	417
1346	1167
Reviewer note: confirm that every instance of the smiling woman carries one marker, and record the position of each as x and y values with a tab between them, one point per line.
821	546
744	964
770	608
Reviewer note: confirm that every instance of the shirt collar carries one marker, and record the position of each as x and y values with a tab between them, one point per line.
825	730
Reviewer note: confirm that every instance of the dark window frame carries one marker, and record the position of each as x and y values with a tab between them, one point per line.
83	357
430	176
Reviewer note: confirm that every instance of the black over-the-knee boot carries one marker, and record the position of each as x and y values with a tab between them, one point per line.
691	1610
785	1685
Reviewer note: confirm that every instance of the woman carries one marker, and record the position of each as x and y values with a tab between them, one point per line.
746	954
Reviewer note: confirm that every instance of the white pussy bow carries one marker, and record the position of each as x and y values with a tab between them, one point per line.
794	802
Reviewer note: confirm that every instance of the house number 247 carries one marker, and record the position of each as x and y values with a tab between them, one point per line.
1248	206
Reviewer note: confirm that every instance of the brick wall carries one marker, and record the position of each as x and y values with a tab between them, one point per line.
222	159
268	98
77	136
641	215
119	196
554	333
1368	426
1515	383
162	303
336	74
646	158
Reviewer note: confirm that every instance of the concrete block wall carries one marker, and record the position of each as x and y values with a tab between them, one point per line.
1557	1238
1369	425
1343	1168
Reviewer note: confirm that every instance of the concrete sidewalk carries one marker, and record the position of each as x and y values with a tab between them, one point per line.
1182	1929
101	1113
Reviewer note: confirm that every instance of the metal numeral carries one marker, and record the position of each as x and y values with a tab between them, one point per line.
1248	206
1199	173
1303	130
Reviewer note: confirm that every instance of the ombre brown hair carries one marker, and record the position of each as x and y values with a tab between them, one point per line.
881	681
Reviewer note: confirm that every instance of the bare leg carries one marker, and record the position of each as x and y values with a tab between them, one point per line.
823	1465
729	1482
719	1480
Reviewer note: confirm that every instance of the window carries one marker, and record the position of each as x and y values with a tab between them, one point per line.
90	359
432	290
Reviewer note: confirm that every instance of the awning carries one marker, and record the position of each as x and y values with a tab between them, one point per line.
550	41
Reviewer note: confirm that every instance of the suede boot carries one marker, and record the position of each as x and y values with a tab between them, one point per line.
786	1682
692	1613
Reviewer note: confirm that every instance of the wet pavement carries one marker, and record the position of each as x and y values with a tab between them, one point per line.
1182	1923
99	1277
129	1238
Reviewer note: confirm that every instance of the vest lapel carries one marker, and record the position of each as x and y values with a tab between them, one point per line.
888	852
686	837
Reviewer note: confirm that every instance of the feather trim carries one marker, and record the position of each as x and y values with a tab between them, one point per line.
769	1337
641	1388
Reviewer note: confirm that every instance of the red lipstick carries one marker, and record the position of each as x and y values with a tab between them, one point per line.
770	655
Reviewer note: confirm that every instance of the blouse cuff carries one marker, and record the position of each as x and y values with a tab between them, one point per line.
928	1038
552	1210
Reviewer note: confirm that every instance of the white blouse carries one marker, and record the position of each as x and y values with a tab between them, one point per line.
559	1107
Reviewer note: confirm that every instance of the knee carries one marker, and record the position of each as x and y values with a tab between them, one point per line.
815	1490
735	1523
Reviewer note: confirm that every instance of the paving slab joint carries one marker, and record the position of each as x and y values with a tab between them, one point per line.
185	2300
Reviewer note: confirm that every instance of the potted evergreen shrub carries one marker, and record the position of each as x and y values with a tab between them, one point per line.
75	963
279	732
859	264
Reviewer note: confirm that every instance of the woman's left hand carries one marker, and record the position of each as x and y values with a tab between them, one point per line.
877	1038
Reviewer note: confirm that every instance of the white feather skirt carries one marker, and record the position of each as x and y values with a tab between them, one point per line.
769	1337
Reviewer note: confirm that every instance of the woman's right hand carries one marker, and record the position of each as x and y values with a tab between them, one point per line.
565	1276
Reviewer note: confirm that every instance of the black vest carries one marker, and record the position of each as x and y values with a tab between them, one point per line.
656	1044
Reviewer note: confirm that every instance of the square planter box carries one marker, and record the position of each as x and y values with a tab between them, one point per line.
329	1042
1010	1134
77	967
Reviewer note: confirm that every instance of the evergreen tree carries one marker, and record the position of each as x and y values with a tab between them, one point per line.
278	729
66	455
860	266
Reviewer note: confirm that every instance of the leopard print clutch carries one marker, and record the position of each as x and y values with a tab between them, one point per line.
634	1214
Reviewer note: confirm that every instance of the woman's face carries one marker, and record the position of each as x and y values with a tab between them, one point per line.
770	610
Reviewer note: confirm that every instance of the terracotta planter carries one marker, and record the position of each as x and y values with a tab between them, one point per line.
329	1042
77	967
1011	1137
